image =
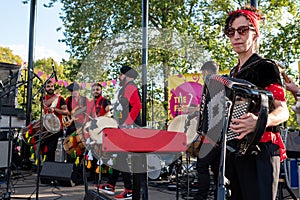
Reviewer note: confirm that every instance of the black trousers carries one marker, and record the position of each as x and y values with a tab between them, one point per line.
254	176
51	144
71	129
206	162
121	166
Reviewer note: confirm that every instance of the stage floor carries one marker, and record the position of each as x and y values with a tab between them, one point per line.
23	185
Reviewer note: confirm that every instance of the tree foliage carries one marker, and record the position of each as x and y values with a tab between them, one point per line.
88	23
43	65
185	35
7	56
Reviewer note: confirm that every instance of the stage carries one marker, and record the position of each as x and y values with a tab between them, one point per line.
23	183
23	186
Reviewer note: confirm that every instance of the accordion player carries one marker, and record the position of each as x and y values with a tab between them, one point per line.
223	95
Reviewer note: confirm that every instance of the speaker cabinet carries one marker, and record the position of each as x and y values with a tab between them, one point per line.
67	174
5	157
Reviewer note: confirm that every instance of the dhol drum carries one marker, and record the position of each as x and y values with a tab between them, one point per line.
67	120
30	132
75	143
93	130
183	123
51	125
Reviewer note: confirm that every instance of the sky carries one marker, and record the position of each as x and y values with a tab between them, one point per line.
14	34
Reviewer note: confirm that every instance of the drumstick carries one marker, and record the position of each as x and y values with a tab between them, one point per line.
78	110
285	77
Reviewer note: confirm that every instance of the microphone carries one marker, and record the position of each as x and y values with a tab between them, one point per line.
54	71
35	75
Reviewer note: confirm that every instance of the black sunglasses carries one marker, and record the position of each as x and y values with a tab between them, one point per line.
242	30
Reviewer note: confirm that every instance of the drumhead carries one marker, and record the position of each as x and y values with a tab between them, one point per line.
178	124
96	126
51	123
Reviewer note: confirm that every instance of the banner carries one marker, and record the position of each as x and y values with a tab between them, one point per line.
185	93
65	83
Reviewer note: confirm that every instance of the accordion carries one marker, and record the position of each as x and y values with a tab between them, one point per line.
224	98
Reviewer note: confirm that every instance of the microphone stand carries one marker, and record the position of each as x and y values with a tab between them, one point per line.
42	91
187	124
222	178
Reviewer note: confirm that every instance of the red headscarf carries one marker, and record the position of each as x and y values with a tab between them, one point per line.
252	17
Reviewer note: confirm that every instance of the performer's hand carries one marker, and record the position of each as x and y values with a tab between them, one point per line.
292	87
51	110
44	106
124	125
74	110
245	125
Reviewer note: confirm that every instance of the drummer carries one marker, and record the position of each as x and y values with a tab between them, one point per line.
98	106
56	104
128	106
75	102
76	105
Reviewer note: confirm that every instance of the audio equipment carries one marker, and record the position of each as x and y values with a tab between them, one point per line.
67	174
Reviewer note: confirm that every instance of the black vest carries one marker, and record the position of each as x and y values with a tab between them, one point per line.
126	106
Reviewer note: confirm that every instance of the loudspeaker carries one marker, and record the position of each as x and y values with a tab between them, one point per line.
5	157
67	174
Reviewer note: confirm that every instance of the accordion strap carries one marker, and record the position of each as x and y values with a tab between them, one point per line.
262	118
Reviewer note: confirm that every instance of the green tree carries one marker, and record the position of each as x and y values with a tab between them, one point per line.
192	33
7	56
88	23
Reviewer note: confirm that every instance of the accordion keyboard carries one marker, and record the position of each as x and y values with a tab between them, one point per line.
239	108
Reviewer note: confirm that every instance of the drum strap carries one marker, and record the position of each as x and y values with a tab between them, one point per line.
54	103
48	100
98	107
